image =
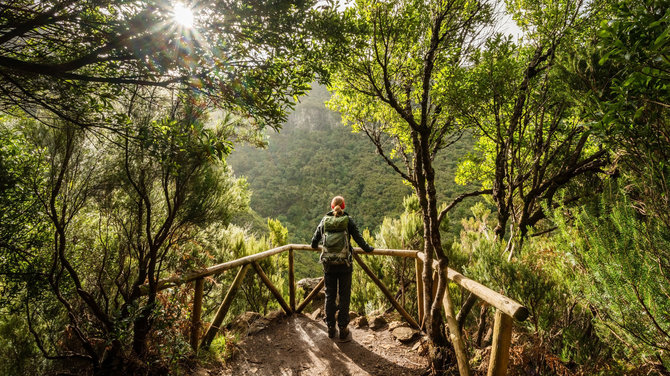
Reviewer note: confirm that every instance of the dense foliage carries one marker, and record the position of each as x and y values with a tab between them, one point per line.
73	59
119	130
313	159
389	87
619	262
121	167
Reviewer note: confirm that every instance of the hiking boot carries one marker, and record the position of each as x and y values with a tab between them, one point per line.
331	331
344	333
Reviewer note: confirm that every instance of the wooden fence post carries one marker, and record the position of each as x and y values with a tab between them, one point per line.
502	338
418	266
454	332
291	280
386	292
434	291
196	313
272	288
225	305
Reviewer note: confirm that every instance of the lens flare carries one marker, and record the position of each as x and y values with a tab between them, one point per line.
182	15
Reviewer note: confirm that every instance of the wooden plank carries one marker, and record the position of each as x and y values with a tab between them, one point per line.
435	284
502	338
223	308
196	313
376	251
272	288
500	301
219	268
311	295
386	292
493	298
418	264
291	280
455	333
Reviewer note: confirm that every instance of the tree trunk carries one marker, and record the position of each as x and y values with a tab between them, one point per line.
499	191
482	325
141	328
425	190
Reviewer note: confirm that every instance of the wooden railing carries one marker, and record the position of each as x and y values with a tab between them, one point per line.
506	308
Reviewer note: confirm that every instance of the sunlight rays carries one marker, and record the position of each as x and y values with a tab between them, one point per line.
183	15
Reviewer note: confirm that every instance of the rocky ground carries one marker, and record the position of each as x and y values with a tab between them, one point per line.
299	345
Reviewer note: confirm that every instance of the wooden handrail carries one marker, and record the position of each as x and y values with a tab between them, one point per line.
220	268
493	298
358	250
506	308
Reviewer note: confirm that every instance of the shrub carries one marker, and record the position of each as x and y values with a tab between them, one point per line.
619	262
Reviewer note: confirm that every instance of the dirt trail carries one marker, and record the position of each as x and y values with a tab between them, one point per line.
298	345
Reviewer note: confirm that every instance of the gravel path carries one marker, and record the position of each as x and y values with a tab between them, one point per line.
298	345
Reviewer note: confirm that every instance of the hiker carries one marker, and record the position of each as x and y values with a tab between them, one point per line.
336	229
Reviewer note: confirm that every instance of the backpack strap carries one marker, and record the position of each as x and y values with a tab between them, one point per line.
323	228
323	238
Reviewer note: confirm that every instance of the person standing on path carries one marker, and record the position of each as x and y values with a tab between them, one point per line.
335	231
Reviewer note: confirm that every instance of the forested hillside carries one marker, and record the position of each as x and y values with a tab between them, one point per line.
314	157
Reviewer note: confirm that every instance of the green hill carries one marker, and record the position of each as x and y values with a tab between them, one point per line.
314	158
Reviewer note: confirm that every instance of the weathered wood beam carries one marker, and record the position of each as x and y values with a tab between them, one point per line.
418	266
272	288
219	268
376	251
291	280
386	292
455	333
502	338
223	308
493	298
196	313
465	309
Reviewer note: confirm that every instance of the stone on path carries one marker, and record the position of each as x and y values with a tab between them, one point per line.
243	323
377	322
317	314
396	324
308	284
360	322
404	334
275	315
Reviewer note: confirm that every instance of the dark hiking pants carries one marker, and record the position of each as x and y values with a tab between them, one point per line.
338	280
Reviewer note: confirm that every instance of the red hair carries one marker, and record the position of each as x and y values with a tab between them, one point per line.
337	204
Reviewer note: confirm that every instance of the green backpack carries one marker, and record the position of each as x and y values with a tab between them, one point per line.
335	241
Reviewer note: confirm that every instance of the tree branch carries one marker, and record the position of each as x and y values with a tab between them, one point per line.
460	198
40	345
377	142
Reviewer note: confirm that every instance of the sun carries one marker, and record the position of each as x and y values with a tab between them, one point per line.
182	15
